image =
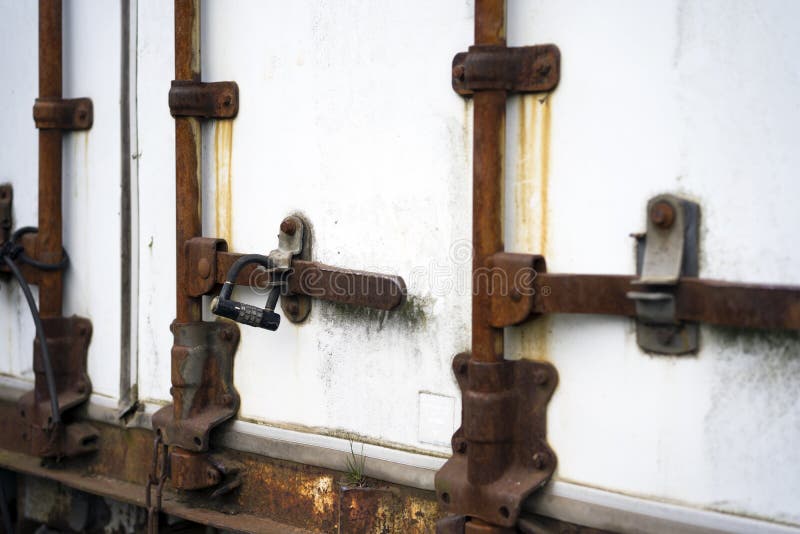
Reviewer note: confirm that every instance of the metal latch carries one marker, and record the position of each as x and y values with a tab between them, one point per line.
288	274
667	252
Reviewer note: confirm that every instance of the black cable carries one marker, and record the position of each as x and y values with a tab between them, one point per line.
4	510
9	251
24	258
37	321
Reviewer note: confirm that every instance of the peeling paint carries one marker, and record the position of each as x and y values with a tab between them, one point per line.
320	492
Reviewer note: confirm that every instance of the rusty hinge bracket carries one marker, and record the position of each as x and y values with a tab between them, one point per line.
203	397
68	340
63	113
216	100
6	213
503	432
525	69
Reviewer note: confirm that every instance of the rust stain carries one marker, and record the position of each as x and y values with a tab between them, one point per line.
531	195
223	149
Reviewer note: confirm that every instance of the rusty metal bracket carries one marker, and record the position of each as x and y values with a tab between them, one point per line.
63	113
296	306
526	69
201	255
504	408
216	100
512	299
202	390
68	340
6	214
668	251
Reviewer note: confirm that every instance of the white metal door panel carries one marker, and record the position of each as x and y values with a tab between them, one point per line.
91	170
698	99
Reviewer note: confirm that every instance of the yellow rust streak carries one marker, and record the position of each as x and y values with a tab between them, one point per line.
223	148
531	201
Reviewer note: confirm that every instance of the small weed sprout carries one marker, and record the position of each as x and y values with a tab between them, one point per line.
354	468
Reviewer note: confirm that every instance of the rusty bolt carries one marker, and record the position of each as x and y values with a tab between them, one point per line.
543	69
460	445
212	475
292	307
540	460
459	73
662	214
516	296
288	226
204	268
540	377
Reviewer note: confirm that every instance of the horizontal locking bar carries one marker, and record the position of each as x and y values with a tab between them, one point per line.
696	299
525	69
63	114
209	263
217	100
356	288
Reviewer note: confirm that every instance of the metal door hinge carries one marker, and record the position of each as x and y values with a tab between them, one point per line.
68	340
202	391
526	69
203	397
216	100
63	113
503	435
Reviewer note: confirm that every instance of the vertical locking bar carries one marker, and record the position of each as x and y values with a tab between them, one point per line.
49	240
487	461
487	185
188	155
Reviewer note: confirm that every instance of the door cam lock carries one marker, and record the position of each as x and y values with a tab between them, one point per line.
666	253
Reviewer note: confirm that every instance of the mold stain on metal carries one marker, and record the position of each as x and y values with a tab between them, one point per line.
223	149
531	203
413	314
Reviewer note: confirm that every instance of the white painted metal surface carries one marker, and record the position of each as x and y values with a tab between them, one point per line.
91	185
347	116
